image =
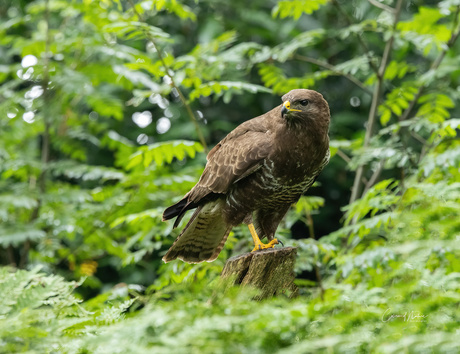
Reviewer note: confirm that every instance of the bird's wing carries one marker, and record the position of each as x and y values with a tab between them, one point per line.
238	155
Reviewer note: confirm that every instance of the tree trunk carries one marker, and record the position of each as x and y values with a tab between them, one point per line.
270	270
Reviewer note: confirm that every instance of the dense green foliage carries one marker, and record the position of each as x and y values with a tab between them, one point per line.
106	111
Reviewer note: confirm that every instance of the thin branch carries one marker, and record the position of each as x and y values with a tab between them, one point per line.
45	153
454	36
402	179
382	6
171	78
375	101
46	98
315	265
10	255
374	177
320	281
389	45
111	211
419	138
425	148
412	103
311	228
360	39
343	156
330	67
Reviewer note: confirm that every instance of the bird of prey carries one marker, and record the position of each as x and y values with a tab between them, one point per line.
253	176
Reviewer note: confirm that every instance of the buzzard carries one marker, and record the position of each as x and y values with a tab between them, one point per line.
253	176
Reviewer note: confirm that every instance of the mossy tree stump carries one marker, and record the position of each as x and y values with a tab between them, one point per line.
270	270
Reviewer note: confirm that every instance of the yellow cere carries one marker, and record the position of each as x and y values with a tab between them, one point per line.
287	104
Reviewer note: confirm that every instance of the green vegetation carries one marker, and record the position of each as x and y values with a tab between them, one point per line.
106	110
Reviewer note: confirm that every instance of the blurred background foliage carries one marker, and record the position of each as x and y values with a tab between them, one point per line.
106	111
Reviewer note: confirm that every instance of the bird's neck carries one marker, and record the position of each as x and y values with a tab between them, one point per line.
314	131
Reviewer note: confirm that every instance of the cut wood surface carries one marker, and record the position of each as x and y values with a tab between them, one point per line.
271	271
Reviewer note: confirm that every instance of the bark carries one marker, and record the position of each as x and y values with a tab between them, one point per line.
271	271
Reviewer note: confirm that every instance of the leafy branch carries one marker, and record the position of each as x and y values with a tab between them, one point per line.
45	152
405	115
435	65
382	6
358	36
330	67
171	79
378	88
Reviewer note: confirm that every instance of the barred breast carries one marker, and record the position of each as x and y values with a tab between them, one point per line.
264	190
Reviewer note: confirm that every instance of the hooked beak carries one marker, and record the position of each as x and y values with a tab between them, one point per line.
284	110
287	108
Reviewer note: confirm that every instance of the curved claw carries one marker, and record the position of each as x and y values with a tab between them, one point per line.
262	246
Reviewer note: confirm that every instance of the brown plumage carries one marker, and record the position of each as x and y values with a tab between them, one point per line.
253	176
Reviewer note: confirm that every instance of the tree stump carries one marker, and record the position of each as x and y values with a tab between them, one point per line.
270	270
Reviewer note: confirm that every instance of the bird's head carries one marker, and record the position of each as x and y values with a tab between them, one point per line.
305	105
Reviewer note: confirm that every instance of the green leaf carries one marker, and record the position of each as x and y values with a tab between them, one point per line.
18	235
162	153
227	88
17	201
295	8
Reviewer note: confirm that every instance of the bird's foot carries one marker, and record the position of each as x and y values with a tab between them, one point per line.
262	246
258	245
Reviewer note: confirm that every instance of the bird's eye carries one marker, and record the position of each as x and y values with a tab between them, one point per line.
304	102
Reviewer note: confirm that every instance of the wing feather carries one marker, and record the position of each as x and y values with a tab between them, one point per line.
238	155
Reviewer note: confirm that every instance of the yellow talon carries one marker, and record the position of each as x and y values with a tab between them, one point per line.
258	245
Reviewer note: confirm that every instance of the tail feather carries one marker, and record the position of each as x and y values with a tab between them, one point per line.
179	209
174	210
204	236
